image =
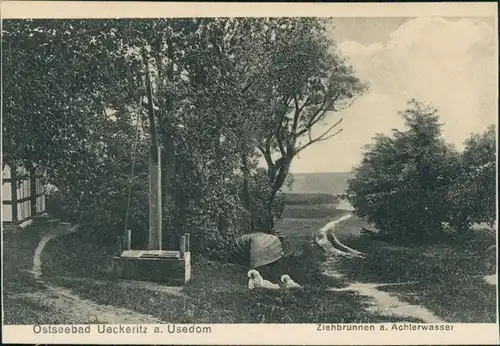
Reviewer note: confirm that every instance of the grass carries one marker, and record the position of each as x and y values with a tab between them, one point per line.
225	299
318	211
449	276
309	198
75	256
21	310
217	292
460	301
329	182
18	251
225	306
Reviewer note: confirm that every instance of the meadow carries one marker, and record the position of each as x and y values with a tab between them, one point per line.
448	279
217	292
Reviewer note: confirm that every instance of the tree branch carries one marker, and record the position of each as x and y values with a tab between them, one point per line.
323	137
267	155
318	115
245	89
296	115
308	99
279	127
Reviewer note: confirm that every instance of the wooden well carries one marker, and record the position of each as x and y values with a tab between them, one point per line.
162	266
153	263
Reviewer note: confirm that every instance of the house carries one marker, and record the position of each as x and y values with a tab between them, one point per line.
23	196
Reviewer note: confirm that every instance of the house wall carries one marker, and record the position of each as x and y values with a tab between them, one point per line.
23	201
6	213
6	195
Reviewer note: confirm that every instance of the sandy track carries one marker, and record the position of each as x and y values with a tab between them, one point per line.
76	309
381	302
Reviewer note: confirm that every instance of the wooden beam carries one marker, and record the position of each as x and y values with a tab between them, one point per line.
33	189
182	246
13	185
155	205
21	200
128	240
188	242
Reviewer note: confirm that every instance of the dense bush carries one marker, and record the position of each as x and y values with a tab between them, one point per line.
472	198
404	183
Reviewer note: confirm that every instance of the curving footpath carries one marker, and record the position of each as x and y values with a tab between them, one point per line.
381	302
76	309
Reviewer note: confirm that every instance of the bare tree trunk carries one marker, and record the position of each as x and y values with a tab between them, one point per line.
277	182
247	198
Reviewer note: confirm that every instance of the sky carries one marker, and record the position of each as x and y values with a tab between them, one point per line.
449	62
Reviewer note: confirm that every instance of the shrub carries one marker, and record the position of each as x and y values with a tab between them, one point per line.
402	183
472	197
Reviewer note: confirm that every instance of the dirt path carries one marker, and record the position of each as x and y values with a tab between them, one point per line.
381	302
388	304
82	311
58	231
76	309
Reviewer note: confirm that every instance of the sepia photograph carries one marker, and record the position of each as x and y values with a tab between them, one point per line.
195	170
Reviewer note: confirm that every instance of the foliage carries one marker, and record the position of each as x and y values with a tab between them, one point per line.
402	183
223	91
49	118
306	79
472	198
412	184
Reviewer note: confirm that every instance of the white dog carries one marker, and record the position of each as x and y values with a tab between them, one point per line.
256	280
288	282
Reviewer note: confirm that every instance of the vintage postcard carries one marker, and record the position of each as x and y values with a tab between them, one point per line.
249	173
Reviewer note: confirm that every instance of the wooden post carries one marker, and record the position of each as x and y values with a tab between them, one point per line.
119	246
182	246
33	189
128	239
155	213
188	242
155	237
13	186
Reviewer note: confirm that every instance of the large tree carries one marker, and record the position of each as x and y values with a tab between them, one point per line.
403	180
59	78
304	82
217	91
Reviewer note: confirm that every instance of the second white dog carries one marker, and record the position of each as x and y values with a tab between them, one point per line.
288	282
256	280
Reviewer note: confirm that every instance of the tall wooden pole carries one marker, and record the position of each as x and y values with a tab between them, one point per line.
155	212
155	207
